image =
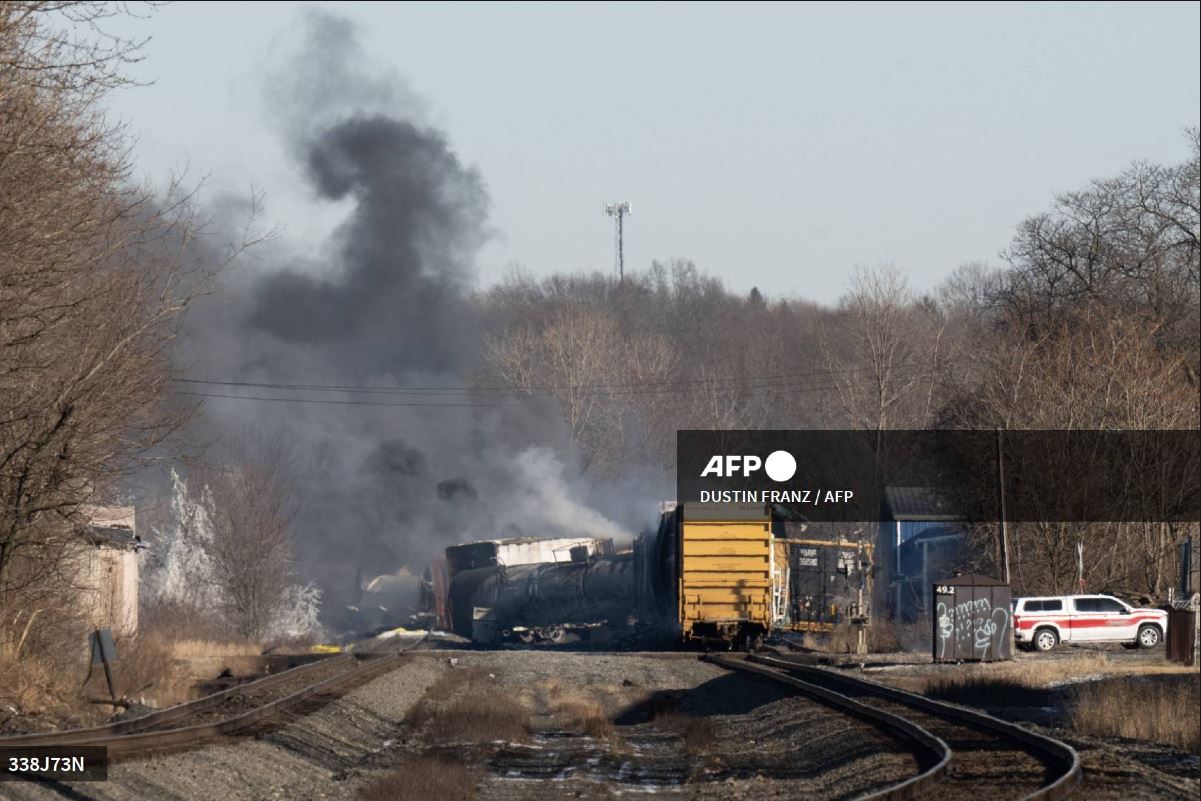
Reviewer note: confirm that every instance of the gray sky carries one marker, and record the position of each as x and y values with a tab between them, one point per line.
777	146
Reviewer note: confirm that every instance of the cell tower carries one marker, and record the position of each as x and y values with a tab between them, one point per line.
618	211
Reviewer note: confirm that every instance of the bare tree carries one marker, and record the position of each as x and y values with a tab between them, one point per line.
580	358
888	353
1129	242
1098	370
252	499
94	278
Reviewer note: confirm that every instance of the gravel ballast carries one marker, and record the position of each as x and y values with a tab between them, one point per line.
660	723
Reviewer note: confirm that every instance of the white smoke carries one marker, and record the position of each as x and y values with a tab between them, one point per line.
546	501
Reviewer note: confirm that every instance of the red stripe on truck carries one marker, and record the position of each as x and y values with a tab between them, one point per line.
1024	623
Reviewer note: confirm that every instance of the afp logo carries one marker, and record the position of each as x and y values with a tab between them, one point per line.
779	466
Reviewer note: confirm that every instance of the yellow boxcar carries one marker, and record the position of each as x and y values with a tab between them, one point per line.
726	562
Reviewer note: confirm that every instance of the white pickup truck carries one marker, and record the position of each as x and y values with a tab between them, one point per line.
1043	623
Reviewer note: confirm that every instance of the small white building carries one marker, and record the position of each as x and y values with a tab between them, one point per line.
109	578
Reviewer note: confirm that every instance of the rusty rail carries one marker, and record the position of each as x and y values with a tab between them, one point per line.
1054	750
127	738
144	742
164	716
933	747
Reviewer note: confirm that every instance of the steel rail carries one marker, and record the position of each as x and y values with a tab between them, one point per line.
128	738
187	736
1055	750
165	716
932	747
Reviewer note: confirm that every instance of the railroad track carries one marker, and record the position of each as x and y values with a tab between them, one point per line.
236	710
962	752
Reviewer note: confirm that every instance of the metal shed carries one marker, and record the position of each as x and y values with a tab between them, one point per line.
973	619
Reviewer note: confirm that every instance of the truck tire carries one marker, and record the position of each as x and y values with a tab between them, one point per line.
1045	639
1148	636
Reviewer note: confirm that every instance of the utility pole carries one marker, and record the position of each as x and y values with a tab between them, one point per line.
618	211
1001	505
1079	565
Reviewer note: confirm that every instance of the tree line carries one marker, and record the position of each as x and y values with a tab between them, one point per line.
1089	320
96	273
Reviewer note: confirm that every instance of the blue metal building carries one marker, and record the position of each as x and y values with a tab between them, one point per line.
920	538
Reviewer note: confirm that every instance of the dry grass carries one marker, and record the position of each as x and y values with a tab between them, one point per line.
1109	698
290	645
424	779
43	656
481	719
581	710
188	649
467	705
698	733
189	632
169	619
585	716
882	638
999	684
147	670
43	653
143	662
39	693
1033	672
1161	710
984	691
28	684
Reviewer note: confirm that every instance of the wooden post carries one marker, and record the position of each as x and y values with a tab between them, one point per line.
1001	506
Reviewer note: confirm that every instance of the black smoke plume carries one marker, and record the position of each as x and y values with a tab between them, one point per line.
386	303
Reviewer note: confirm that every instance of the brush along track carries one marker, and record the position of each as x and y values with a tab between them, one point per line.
989	757
228	712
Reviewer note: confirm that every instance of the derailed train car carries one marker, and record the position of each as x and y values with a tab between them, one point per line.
535	589
721	575
532	590
542	601
704	574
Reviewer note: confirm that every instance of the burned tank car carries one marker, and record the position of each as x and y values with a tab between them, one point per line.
542	600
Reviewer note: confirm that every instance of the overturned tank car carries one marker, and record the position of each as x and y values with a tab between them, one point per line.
544	590
542	601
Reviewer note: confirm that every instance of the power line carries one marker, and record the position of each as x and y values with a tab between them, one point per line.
335	402
746	382
523	398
